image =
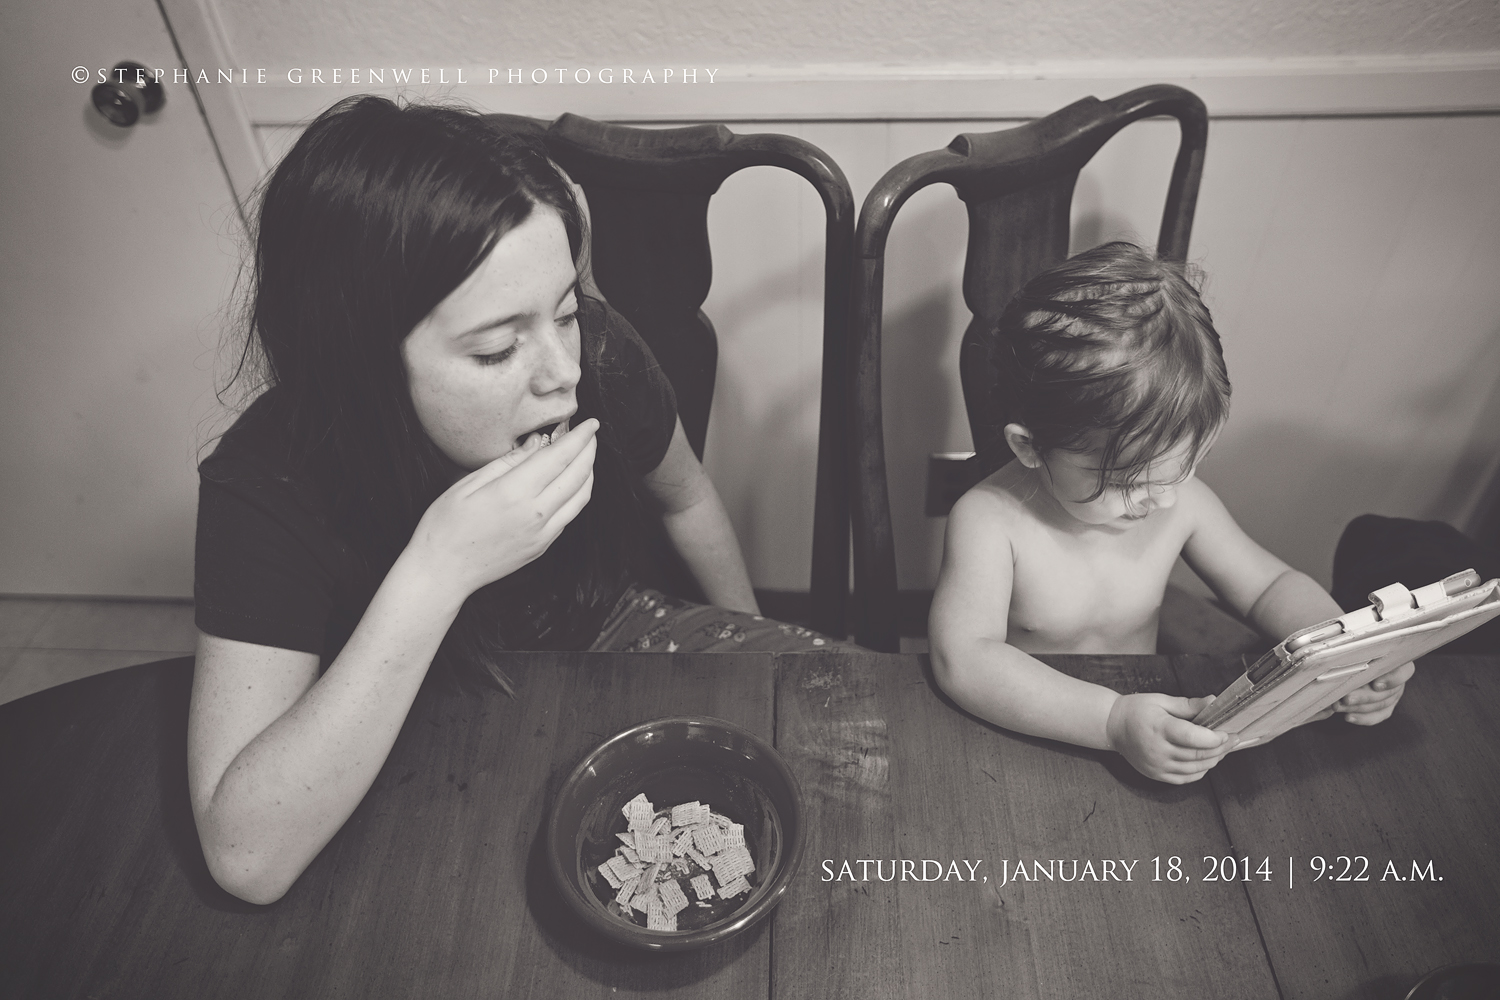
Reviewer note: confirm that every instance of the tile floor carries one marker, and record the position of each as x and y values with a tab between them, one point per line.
48	641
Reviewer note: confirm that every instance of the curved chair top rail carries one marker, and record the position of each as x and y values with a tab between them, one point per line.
695	158
985	165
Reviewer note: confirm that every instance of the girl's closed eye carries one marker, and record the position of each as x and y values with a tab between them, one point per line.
498	357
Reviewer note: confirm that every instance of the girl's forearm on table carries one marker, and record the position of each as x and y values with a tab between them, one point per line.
294	785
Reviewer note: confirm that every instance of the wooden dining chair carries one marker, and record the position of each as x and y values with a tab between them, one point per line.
648	192
1018	186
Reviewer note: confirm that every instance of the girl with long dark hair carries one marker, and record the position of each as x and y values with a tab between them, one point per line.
455	455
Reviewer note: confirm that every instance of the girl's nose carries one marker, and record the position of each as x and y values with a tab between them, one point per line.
557	366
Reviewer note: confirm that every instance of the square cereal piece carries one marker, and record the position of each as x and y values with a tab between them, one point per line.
629	854
608	871
622	867
656	916
734	834
638	807
643	898
732	864
627	890
651	873
700	859
672	899
720	821
684	814
681	841
742	854
660	826
734	888
702	887
708	839
627	838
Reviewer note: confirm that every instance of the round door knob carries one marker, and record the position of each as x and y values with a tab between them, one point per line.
132	91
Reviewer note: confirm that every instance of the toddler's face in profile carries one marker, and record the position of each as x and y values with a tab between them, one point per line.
1072	477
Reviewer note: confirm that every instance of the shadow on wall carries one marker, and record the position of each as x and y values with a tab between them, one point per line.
1293	490
1093	228
1476	474
1429	454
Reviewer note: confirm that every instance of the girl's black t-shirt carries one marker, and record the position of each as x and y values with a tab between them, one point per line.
269	569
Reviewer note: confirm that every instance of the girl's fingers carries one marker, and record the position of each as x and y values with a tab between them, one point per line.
491	471
571	507
537	466
569	481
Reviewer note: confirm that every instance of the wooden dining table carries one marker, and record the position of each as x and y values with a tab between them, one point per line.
944	857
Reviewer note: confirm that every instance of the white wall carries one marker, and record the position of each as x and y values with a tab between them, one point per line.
799	33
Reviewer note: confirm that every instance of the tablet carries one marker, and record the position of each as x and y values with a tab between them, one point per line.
1313	668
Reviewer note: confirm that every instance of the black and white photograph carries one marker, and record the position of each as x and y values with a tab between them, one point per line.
779	499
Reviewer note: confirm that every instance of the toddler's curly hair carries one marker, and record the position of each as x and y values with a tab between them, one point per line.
1117	340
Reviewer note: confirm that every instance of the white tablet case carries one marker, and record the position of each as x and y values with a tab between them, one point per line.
1325	662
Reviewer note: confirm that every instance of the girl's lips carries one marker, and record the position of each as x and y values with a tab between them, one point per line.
547	432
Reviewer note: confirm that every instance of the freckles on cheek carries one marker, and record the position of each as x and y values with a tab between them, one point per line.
440	408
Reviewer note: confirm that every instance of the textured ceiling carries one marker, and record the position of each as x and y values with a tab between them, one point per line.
281	33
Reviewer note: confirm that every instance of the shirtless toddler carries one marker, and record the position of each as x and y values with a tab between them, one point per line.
1113	388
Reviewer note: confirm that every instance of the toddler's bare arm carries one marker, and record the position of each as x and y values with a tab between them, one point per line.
967	630
994	680
1275	598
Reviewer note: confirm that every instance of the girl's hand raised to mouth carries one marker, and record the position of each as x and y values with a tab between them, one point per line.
503	515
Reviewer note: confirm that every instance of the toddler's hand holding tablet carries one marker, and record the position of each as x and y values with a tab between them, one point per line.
1154	732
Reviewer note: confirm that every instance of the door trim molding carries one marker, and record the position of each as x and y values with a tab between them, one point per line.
200	41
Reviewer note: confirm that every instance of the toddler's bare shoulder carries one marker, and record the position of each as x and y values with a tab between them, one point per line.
1195	497
991	508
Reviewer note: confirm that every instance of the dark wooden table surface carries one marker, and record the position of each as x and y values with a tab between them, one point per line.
436	886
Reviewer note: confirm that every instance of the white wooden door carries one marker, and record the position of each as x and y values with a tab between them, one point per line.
118	248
